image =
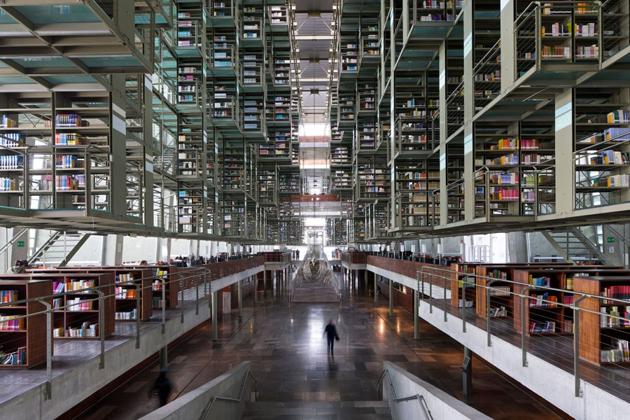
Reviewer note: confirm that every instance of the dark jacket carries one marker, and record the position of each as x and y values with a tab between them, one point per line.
331	332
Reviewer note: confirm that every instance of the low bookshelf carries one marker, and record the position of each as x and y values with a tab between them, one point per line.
604	323
75	301
501	299
166	274
22	340
126	283
463	285
550	292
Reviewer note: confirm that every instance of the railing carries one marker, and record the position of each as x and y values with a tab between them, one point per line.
539	311
235	404
455	110
416	397
192	283
545	32
221	398
487	77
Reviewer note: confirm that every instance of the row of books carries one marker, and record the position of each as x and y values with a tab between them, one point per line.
70	182
11	140
612	181
12	323
79	305
613	317
544	300
68	139
617	355
126	293
86	329
76	285
9	184
537	327
8	296
69	162
127	315
15	358
11	162
543	281
68	120
605	157
125	278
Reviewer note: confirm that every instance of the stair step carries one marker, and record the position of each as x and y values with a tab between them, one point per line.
368	410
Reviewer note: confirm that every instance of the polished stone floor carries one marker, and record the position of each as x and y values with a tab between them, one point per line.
289	360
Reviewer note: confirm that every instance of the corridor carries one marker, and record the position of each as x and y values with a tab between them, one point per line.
286	347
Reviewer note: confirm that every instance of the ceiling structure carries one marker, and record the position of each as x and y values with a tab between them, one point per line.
314	35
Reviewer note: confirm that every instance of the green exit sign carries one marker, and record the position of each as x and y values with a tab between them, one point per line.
611	239
20	244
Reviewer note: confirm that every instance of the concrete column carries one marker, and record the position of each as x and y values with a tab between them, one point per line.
375	289
467	374
442	59
415	314
565	171
215	312
274	282
391	298
255	288
239	291
264	282
507	45
163	355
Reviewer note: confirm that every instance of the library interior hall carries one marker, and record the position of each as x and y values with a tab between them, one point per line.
314	209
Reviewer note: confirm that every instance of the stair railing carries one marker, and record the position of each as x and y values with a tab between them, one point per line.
206	414
418	397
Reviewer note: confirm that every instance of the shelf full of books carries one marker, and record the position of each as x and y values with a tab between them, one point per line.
604	322
514	169
415	182
191	173
57	156
22	324
371	178
602	148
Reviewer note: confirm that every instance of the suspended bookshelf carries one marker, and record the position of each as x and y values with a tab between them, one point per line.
487	52
415	182
372	178
268	185
26	122
602	144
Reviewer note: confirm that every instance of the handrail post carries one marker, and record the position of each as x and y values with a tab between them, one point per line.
430	296
181	290
463	298
538	37
49	349
139	291
488	291
196	297
444	290
523	331
101	327
164	304
205	281
391	296
576	345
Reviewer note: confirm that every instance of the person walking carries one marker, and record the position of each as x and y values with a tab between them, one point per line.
331	335
162	387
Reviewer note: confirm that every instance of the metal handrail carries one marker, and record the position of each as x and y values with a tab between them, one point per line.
418	397
248	374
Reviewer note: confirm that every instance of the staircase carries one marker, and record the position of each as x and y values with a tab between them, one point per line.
574	246
59	248
267	410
